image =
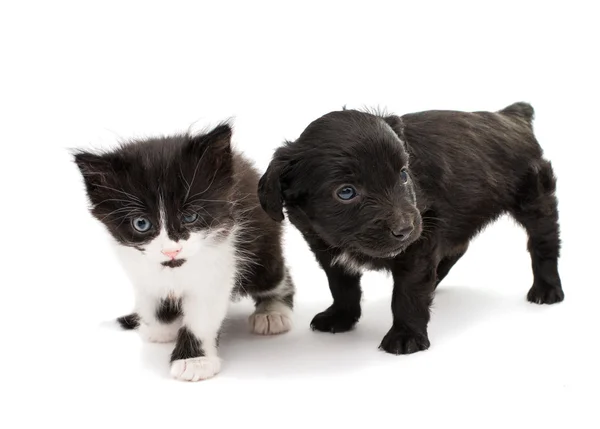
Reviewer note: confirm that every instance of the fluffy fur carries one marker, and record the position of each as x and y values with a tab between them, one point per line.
207	240
438	177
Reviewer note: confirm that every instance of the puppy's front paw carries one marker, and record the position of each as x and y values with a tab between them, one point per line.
335	320
158	333
399	342
196	369
545	294
270	323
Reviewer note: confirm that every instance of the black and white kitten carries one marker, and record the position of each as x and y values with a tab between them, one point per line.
188	228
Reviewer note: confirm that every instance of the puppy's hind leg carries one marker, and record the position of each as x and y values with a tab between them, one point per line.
273	313
537	211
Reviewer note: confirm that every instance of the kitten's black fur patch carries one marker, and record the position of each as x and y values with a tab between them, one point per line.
129	322
465	169
173	263
168	310
187	345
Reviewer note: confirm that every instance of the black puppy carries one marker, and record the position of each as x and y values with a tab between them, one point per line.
407	194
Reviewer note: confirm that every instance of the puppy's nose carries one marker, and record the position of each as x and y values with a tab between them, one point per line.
401	232
171	253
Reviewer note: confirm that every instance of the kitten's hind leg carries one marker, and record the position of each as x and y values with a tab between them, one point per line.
273	313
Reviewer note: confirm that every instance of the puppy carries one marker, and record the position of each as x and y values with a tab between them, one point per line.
407	194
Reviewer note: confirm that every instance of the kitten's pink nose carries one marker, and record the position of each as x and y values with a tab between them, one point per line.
171	253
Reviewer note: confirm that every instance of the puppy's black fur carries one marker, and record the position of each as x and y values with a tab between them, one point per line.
425	184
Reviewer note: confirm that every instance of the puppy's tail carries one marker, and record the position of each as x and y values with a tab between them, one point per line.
521	110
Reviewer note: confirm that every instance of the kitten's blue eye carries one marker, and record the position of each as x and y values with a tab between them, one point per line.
404	175
190	218
346	193
141	224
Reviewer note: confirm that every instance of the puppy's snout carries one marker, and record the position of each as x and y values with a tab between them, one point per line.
402	231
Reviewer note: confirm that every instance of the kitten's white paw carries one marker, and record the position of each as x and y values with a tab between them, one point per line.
196	369
270	322
158	333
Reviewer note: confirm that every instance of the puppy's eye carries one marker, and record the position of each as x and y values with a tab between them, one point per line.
190	218
141	224
404	175
346	193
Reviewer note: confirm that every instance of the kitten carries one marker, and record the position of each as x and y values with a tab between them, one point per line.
183	214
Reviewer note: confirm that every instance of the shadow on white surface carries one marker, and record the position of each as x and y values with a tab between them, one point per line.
156	357
457	309
302	352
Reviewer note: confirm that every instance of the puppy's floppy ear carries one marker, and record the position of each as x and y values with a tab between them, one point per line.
269	190
397	124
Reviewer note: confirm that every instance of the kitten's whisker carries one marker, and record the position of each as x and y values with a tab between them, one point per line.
129	212
188	186
133	197
128	202
194	175
206	211
208	187
213	201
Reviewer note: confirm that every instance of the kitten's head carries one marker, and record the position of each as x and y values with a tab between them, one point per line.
165	197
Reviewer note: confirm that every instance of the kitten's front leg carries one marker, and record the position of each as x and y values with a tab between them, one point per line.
195	356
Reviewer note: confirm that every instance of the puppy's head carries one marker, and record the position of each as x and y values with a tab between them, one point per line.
348	177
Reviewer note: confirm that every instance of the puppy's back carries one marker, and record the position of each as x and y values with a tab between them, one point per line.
471	164
509	128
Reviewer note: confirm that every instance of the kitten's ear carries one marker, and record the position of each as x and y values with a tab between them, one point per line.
270	193
397	124
213	147
94	169
218	139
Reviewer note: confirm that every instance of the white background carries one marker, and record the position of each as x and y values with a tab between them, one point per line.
83	75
